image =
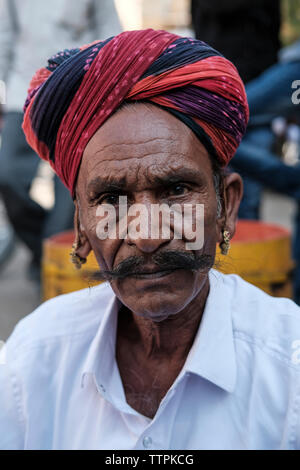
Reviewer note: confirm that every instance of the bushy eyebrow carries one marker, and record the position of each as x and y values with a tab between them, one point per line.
114	184
100	184
183	174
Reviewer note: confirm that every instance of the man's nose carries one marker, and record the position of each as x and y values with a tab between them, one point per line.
146	245
149	236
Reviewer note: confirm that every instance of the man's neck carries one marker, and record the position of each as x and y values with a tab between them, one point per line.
169	338
150	354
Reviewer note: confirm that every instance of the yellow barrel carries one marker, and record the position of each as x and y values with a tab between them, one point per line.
260	253
59	275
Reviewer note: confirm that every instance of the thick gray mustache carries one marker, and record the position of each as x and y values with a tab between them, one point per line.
165	261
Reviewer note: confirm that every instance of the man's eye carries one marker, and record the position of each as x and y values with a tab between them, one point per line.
112	199
178	190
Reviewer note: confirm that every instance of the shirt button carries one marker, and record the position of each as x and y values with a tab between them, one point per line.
147	441
102	388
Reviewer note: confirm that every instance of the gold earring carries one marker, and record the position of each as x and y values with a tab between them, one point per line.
77	260
225	244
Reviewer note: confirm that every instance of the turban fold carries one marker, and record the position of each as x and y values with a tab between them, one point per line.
81	88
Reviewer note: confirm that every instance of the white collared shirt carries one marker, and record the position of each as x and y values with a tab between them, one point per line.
60	387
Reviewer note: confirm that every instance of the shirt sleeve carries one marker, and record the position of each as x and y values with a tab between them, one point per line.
12	424
106	19
7	40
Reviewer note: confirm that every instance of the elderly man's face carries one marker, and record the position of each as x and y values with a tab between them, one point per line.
146	154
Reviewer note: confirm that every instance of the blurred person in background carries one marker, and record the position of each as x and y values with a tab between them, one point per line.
248	34
271	95
7	239
31	30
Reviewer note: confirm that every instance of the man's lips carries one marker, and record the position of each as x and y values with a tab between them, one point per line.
153	274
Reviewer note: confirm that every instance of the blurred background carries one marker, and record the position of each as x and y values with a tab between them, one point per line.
46	201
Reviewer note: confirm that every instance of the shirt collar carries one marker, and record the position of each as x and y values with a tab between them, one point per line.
100	359
212	355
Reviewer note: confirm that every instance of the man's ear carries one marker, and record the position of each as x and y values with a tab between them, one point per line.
233	193
81	240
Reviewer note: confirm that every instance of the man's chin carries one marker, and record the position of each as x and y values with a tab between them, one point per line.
159	314
157	297
157	305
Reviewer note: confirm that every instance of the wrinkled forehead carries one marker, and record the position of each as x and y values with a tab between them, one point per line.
139	144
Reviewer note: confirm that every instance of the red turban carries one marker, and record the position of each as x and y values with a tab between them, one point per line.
80	88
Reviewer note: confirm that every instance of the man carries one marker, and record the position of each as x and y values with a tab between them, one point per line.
29	31
170	354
